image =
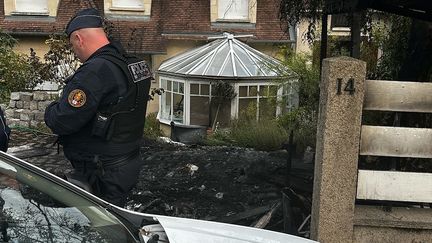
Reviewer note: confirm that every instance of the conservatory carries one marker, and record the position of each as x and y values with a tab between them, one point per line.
221	81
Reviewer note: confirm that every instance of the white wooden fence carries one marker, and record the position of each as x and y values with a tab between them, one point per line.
396	142
344	205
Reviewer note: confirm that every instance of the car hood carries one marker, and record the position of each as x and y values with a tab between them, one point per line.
183	230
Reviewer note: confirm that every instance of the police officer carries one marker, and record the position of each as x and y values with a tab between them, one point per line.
100	116
4	132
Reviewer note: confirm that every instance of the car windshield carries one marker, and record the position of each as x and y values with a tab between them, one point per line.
35	209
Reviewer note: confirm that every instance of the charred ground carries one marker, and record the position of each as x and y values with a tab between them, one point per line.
220	183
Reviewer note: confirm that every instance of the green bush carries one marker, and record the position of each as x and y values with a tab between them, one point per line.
264	135
16	73
219	137
303	122
303	119
152	127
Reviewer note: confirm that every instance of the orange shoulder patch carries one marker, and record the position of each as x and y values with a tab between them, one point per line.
77	98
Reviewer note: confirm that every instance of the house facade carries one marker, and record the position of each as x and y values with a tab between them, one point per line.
156	30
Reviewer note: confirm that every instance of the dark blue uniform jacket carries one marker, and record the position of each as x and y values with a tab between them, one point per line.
4	132
102	83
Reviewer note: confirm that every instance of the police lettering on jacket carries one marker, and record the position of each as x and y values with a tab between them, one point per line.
139	71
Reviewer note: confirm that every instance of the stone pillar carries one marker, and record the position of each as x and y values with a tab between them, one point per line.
338	138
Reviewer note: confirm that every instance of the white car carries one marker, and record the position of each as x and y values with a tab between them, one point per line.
37	206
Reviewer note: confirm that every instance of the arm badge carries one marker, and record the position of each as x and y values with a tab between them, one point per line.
77	98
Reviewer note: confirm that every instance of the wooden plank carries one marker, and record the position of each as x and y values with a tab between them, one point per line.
244	215
264	220
384	95
399	217
396	141
394	186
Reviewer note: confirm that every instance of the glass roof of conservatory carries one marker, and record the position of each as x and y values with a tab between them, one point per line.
224	57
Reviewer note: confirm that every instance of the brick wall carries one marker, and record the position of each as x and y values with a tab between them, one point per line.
187	18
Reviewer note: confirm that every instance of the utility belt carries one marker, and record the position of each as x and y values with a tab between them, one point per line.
104	164
88	174
116	162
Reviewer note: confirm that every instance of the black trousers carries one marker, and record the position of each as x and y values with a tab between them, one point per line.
111	183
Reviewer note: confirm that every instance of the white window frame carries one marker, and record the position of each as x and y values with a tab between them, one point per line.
289	91
31	6
236	111
162	101
197	95
229	10
127	4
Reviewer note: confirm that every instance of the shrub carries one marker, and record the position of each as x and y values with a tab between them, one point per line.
16	73
264	135
221	136
303	122
303	119
152	128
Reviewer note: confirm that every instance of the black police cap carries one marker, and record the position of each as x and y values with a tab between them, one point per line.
86	18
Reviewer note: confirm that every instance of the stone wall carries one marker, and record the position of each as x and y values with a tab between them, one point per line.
27	109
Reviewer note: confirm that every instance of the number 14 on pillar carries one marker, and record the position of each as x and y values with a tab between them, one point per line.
345	86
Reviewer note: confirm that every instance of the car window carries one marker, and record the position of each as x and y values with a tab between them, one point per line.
34	209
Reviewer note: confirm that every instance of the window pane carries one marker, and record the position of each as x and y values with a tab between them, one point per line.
240	68
224	115
205	89
178	108
290	97
164	84
169	85
181	87
267	108
199	110
35	6
228	69
263	90
245	59
248	108
194	89
233	9
199	70
253	91
128	3
218	61
175	86
243	91
273	90
166	105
